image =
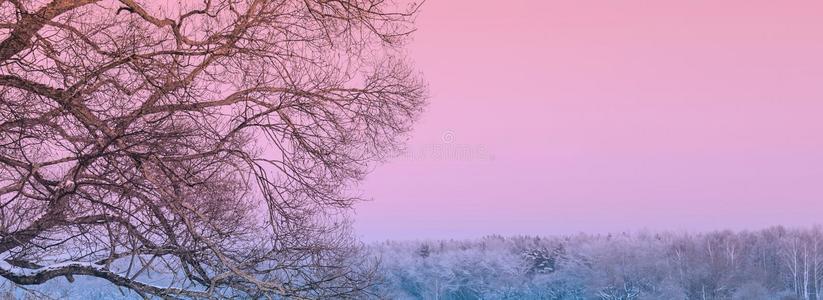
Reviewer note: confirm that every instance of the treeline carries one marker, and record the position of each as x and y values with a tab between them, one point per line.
775	263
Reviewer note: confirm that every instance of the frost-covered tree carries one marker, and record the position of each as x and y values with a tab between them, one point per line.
208	143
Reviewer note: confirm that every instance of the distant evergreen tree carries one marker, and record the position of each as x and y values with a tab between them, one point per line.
542	260
424	250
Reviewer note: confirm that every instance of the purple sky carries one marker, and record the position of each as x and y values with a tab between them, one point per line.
552	117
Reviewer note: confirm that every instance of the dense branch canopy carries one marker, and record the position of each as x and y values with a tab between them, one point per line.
210	141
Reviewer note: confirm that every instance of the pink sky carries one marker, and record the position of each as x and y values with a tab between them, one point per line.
604	116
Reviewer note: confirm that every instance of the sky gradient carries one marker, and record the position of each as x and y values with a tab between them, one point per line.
555	117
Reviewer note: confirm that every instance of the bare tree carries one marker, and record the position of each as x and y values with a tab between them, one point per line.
211	141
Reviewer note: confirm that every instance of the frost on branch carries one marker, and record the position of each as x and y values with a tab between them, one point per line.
209	141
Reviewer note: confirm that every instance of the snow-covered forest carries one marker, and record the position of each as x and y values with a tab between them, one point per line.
775	263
